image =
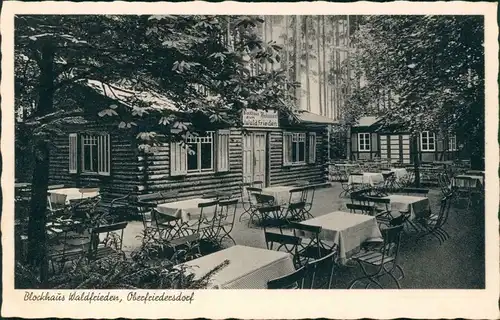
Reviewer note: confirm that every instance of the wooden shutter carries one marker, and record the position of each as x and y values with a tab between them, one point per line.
287	143
103	155
312	147
73	153
223	150
439	140
374	142
178	159
354	142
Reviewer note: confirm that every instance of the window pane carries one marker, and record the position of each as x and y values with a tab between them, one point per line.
302	153
192	158
206	156
294	152
86	158
94	157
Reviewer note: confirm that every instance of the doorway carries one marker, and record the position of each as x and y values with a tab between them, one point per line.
254	157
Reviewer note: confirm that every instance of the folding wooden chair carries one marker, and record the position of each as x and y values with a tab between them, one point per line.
294	280
296	208
314	248
111	244
283	242
322	271
383	259
433	225
271	215
204	226
252	203
224	220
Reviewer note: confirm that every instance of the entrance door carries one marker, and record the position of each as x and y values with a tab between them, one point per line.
254	157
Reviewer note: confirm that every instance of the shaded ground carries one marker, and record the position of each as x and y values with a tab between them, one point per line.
459	263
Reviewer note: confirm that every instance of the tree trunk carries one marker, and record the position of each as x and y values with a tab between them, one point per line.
298	61
37	217
416	162
318	44
325	78
308	84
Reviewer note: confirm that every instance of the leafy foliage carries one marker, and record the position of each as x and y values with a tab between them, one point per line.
147	268
422	72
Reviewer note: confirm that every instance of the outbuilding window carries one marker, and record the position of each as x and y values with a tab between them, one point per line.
427	141
294	148
363	142
94	153
452	143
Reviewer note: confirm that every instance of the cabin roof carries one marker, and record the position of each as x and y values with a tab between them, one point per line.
367	121
309	117
129	96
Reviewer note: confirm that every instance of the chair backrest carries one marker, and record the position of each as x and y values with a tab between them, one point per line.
108	229
361	208
282	241
320	266
298	194
392	238
227	210
260	184
315	230
264	199
294	280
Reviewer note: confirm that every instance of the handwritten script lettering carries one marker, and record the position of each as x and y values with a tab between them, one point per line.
108	296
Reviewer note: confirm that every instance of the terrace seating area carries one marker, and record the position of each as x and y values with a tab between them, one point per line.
370	229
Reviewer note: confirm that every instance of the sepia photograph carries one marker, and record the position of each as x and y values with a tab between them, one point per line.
261	151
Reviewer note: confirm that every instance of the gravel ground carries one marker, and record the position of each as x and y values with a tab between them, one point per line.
459	263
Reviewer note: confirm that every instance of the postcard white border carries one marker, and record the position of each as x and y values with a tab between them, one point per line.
266	304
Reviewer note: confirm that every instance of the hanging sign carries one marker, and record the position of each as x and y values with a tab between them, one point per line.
260	118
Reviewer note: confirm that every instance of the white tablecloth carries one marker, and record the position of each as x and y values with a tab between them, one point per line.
57	195
371	178
418	206
281	193
248	268
477	181
184	209
347	230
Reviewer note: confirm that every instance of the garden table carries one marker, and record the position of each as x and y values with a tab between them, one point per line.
370	178
57	195
185	209
281	194
248	268
475	181
419	207
347	230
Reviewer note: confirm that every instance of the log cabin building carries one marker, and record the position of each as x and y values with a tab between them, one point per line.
370	140
268	148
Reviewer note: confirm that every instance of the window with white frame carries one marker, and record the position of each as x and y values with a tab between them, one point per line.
427	141
452	143
294	147
363	142
200	156
94	153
